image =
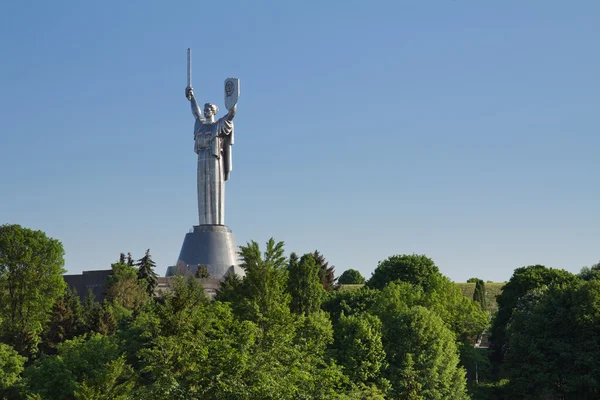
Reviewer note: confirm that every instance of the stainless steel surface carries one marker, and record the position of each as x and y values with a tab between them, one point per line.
189	68
213	141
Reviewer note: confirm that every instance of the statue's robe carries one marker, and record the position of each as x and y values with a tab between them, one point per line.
213	143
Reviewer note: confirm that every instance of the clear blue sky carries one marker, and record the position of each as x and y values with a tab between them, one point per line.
464	130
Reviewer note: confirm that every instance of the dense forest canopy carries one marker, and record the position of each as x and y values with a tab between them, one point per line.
286	331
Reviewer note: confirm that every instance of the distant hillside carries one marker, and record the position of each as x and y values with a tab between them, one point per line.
491	291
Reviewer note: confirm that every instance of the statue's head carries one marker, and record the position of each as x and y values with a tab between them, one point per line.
210	110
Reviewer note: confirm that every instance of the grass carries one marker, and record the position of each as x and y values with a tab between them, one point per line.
491	291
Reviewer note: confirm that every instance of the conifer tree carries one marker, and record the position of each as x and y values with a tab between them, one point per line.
326	273
130	260
479	294
146	272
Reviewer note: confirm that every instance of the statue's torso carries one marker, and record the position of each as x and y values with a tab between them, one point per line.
204	136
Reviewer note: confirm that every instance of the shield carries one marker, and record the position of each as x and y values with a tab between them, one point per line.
232	92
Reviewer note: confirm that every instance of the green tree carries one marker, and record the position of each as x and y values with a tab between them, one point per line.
359	347
522	281
415	269
554	337
229	289
130	260
589	273
304	285
352	302
351	277
146	273
90	312
66	322
31	268
11	366
124	289
479	294
202	272
422	356
326	273
461	315
265	300
84	368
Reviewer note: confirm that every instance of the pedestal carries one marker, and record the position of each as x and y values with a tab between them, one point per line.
212	246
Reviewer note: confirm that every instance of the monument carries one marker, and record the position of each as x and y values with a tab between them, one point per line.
211	243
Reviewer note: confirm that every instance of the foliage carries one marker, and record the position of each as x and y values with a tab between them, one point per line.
476	362
422	356
304	285
589	273
31	265
326	273
124	289
11	366
559	329
359	347
351	277
264	299
490	390
348	303
229	289
522	281
415	269
479	294
492	291
202	272
459	314
84	368
66	321
146	273
276	333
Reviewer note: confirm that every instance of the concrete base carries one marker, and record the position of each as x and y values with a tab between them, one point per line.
210	245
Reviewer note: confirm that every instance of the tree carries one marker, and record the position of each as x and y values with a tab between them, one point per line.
11	366
554	338
351	277
304	285
589	273
326	273
84	368
91	312
146	273
522	281
31	268
460	314
265	300
479	294
351	302
415	269
66	322
202	272
124	288
229	289
422	356
359	347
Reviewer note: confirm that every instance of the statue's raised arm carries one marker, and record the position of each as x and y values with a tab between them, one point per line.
189	94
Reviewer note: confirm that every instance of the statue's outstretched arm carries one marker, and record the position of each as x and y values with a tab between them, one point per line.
195	108
231	113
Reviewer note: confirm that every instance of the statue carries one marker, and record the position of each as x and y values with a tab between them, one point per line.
212	142
209	250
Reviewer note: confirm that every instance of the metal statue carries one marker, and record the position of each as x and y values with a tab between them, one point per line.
212	142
